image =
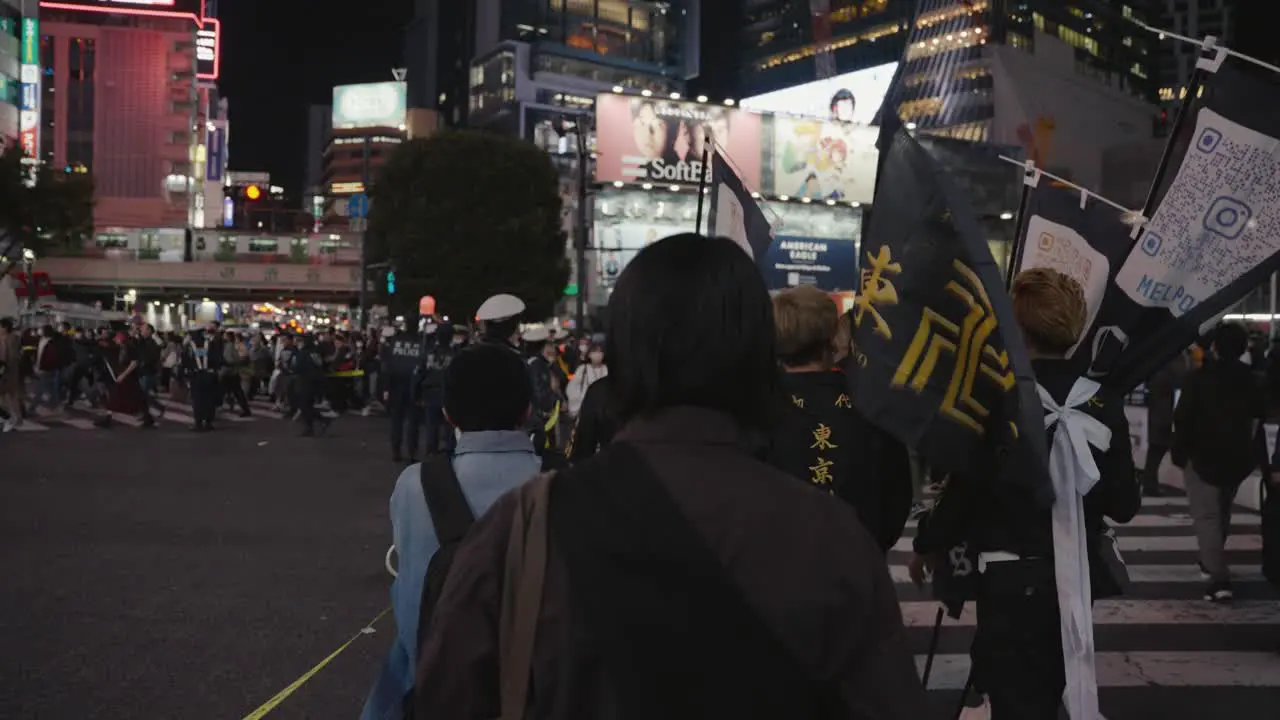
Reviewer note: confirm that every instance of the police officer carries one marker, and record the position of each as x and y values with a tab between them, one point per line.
401	359
501	317
435	364
308	371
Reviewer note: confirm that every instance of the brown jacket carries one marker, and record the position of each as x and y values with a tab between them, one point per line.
804	562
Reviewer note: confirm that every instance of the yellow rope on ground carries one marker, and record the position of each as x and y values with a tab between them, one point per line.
284	694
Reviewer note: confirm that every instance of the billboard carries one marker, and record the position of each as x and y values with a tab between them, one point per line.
820	159
852	97
655	140
369	105
828	264
163	8
209	49
29	110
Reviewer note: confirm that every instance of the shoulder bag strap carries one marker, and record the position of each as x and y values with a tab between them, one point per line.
526	568
450	513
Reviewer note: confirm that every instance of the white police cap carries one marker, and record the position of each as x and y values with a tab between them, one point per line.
536	333
500	307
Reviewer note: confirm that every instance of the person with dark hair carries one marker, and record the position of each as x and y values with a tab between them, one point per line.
1218	442
486	397
822	438
1017	651
842	105
683	577
595	425
434	370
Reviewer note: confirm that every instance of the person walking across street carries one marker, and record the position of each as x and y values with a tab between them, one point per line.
11	380
440	435
1218	442
1162	391
198	366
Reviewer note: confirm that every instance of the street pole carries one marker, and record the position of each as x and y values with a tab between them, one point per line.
364	238
581	324
1271	325
29	267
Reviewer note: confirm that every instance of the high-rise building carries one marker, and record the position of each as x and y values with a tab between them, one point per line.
319	132
10	71
367	122
1195	19
126	96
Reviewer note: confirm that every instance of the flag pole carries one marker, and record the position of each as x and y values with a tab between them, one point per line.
702	181
1030	178
1180	119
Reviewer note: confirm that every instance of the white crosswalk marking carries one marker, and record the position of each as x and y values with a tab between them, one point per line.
1162	635
175	413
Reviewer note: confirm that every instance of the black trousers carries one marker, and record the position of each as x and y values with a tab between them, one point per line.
205	398
1017	651
304	399
231	388
405	416
440	434
1151	469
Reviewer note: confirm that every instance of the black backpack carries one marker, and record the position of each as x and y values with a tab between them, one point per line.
451	517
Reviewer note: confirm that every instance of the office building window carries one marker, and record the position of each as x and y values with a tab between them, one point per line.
48	114
81	63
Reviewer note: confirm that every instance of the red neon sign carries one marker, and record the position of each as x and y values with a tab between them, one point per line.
147	8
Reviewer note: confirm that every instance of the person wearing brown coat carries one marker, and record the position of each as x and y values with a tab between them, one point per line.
683	576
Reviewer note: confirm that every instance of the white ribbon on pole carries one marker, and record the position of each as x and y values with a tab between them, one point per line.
1074	472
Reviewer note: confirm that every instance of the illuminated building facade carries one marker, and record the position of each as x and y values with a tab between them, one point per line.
127	96
1191	18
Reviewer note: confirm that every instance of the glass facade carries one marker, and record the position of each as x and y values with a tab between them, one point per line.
616	30
10	76
81	62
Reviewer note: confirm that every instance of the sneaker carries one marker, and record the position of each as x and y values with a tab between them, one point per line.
8	425
1204	573
1219	593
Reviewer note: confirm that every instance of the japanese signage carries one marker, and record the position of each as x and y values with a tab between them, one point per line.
369	105
209	49
216	143
195	8
29	111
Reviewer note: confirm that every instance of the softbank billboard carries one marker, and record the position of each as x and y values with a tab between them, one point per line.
643	139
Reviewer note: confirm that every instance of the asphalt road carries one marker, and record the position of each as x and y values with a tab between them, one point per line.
158	575
166	574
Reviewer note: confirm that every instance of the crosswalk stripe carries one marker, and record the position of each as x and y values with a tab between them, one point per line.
1145	669
30	426
1150	543
78	423
1146	520
1188	573
1127	612
126	419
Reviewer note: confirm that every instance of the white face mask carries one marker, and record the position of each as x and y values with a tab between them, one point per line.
596	357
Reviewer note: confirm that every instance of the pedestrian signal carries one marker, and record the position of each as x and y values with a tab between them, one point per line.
391	282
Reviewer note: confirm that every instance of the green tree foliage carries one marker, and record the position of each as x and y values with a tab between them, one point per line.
54	215
465	215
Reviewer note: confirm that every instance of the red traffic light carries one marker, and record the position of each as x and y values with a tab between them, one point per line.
253	192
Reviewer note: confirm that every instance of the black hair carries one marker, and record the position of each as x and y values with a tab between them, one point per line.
7	324
840	96
691	323
1231	341
501	330
487	387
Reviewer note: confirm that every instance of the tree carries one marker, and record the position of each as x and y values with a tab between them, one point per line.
465	215
56	213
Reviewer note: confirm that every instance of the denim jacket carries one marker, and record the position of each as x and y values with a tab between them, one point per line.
487	464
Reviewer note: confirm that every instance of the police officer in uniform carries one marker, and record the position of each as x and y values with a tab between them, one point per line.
501	317
308	370
401	359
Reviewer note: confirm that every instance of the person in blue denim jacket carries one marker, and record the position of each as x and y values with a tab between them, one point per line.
487	397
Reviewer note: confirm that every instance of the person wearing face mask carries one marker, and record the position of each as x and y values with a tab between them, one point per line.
589	372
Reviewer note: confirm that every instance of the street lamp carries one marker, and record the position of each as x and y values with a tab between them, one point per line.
28	267
577	127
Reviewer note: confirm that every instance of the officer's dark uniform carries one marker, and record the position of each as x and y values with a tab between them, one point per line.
308	370
401	360
434	366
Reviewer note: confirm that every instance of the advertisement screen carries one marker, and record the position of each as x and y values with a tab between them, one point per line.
853	97
193	7
830	265
208	49
820	159
369	105
661	141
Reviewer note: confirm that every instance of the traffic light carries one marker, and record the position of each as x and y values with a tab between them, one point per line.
253	192
1160	128
391	281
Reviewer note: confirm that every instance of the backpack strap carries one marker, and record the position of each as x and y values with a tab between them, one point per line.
450	513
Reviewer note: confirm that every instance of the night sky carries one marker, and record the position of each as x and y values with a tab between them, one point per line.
279	56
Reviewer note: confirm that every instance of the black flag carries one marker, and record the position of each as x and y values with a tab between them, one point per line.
1088	240
1215	232
941	363
734	213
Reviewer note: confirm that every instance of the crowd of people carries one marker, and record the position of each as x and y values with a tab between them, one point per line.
653	566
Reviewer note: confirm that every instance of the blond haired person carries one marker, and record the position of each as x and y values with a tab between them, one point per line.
1017	652
822	438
